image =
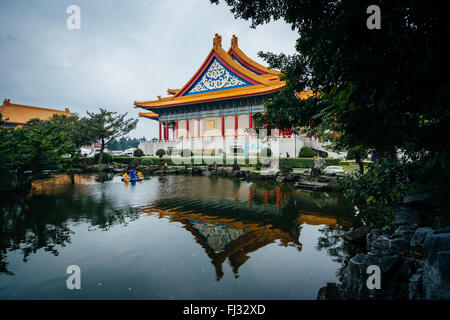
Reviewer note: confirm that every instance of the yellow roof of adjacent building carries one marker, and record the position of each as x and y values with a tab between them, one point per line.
21	114
260	79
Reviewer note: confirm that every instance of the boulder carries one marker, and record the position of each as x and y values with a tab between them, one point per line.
437	242
357	235
333	170
405	216
436	276
420	235
285	170
236	167
319	163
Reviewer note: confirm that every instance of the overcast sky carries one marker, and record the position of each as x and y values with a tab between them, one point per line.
125	51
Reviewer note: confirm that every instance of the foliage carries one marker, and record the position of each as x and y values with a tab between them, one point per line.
381	90
160	153
106	126
124	143
376	191
306	162
106	159
306	152
138	153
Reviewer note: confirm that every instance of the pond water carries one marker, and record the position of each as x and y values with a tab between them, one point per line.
171	237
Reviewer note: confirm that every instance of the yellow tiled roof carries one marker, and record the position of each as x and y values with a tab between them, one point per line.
21	114
266	81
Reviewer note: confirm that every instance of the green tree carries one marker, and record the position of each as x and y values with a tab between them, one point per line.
384	90
106	126
138	153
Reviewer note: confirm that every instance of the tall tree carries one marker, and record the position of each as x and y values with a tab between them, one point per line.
106	126
383	90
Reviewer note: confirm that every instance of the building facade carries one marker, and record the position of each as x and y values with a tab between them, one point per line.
218	104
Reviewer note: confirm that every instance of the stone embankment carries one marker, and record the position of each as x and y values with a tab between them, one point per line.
414	259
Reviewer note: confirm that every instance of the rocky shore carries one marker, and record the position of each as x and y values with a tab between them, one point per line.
414	260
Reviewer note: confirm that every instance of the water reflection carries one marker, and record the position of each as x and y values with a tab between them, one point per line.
245	217
235	223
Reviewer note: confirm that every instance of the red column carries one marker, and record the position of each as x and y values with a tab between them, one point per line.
235	125
250	122
187	128
198	127
223	126
167	130
176	134
159	130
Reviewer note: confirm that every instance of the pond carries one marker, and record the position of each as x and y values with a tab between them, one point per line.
170	237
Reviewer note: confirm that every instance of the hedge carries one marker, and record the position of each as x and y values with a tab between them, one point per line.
306	162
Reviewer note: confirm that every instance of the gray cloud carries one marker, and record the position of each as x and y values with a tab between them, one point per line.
125	51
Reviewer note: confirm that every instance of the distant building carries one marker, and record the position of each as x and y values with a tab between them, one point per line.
17	115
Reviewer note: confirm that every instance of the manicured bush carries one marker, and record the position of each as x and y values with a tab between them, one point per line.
306	162
306	152
138	153
107	158
160	153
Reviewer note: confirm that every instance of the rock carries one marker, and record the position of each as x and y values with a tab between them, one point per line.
355	277
325	179
312	185
292	177
358	235
444	230
329	292
319	163
280	179
213	167
436	276
285	170
416	197
199	169
332	170
389	244
236	167
405	216
420	235
271	173
437	242
206	173
415	286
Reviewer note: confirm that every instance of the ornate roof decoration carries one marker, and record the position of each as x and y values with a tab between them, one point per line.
221	76
217	77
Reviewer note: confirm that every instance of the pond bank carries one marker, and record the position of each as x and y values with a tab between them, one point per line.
414	259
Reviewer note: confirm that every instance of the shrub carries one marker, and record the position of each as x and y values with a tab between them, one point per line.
306	162
160	153
138	153
306	152
377	191
107	158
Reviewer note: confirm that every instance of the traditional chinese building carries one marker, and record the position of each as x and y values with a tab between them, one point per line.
16	115
219	101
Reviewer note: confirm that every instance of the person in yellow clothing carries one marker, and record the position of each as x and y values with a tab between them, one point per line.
126	177
140	175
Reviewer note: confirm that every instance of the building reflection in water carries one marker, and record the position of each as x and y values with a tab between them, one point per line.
252	217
